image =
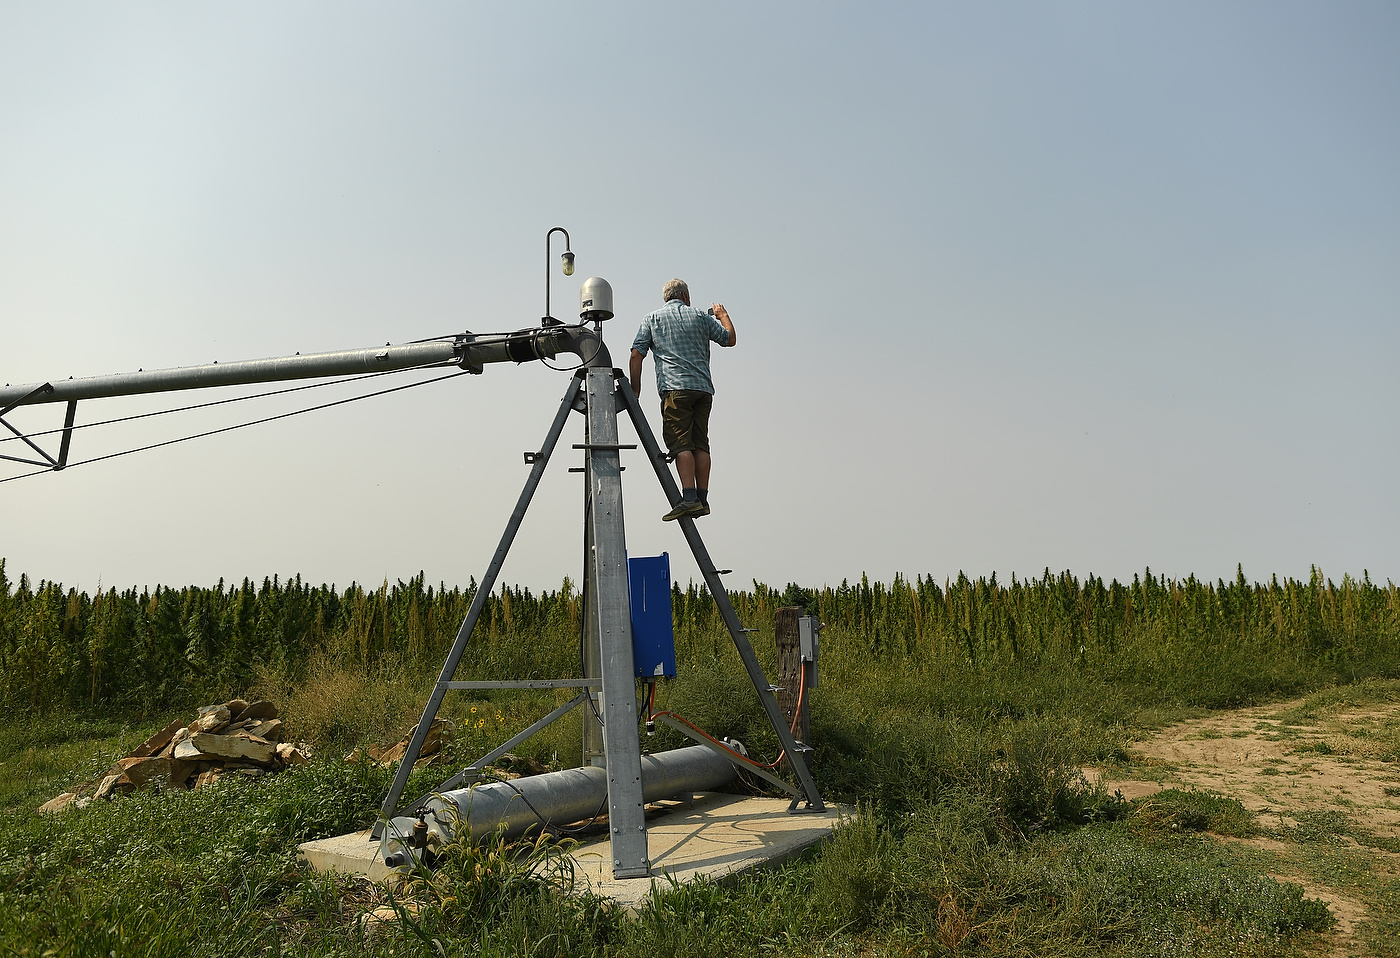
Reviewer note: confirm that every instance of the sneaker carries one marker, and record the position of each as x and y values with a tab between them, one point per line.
686	507
704	510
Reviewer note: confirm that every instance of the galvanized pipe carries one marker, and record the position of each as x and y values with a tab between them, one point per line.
468	350
345	362
561	798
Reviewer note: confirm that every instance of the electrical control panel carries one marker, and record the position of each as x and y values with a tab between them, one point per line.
653	635
809	629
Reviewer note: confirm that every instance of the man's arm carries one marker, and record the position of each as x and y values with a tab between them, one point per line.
634	367
722	315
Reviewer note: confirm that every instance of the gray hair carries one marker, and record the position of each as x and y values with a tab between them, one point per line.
674	289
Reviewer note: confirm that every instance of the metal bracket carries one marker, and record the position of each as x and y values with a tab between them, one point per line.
49	461
526	684
45	388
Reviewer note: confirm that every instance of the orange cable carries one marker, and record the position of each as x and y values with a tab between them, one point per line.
797	714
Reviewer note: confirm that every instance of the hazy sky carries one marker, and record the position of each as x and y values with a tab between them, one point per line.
1094	286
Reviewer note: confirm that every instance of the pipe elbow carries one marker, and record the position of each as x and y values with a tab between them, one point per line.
589	347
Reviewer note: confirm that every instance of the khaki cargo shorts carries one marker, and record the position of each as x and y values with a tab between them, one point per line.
685	420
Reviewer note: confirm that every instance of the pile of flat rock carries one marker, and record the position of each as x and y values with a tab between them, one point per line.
234	738
439	731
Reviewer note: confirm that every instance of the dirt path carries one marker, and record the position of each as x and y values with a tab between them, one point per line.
1297	768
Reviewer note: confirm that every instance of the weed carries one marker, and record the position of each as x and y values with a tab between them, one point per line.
1177	810
1333	827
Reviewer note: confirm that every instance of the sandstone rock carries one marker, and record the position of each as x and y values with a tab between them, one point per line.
58	804
440	729
114	785
104	787
198	754
377	922
187	751
211	719
291	755
391	754
180	772
258	710
270	729
157	741
182	735
139	771
241	747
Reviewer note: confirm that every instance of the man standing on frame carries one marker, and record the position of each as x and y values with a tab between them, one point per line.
681	335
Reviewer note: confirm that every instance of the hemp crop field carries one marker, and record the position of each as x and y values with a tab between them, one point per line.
958	715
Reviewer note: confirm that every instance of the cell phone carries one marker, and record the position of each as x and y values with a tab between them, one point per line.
711	310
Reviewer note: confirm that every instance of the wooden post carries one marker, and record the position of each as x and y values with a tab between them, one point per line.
790	671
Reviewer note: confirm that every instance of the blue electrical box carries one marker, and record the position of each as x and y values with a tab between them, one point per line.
653	636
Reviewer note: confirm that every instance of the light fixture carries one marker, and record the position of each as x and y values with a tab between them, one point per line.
568	264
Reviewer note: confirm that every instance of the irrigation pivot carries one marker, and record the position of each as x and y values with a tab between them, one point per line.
607	687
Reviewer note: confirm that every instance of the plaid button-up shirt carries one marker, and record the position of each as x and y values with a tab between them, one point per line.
681	336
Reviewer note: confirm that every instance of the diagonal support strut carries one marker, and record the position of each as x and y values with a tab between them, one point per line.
483	592
721	597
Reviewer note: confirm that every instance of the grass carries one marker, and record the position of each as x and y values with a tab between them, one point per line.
41	755
978	833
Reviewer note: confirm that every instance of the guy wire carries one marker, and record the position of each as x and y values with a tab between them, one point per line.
255	422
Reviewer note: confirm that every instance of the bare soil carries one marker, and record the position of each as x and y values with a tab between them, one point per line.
1289	765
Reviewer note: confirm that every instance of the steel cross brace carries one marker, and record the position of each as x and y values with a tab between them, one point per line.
62	459
483	592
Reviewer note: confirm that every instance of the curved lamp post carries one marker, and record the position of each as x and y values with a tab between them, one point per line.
568	266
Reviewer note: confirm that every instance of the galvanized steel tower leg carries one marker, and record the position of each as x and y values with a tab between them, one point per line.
612	621
731	619
594	751
483	592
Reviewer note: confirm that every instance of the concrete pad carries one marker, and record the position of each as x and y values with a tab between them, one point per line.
353	854
716	836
